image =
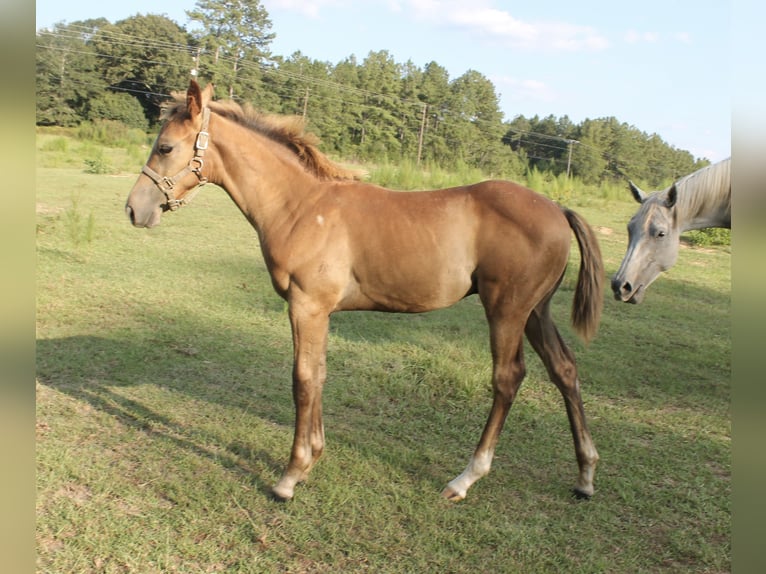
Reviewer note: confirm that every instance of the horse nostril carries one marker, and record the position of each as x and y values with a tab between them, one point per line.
621	288
131	215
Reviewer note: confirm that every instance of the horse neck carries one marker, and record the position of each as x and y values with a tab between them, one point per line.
701	208
262	177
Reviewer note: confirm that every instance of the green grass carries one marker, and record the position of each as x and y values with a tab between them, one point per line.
164	411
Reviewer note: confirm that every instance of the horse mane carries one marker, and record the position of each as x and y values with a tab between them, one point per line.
706	187
288	131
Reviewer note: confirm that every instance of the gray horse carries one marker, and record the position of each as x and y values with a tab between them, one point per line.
697	201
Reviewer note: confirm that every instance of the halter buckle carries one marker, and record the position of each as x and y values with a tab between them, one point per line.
173	204
203	138
166	184
195	165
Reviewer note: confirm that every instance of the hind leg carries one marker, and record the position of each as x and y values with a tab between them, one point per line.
507	374
560	364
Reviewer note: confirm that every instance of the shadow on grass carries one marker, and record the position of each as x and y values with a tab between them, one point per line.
93	382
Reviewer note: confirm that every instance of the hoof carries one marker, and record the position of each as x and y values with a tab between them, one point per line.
580	495
277	498
452	495
280	496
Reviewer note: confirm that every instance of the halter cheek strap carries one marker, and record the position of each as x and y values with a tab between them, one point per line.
167	184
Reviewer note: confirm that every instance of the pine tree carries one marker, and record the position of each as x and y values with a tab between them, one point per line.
233	42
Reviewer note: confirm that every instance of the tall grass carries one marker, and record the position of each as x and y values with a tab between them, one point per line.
570	190
102	147
112	134
80	228
407	175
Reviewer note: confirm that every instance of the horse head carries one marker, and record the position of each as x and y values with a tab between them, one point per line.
175	165
653	235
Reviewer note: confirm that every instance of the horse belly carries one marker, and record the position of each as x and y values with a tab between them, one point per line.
412	253
410	284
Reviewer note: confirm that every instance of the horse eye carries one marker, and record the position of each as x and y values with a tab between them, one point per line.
165	149
660	234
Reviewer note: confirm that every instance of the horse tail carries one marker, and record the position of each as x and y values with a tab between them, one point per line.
588	298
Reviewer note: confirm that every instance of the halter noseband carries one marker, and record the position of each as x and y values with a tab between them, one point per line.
166	184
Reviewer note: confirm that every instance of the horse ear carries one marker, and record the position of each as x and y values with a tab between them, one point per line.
672	197
638	195
194	98
207	94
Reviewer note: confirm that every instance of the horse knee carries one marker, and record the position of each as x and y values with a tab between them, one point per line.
305	390
564	375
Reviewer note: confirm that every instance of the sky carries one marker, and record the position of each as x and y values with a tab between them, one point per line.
661	66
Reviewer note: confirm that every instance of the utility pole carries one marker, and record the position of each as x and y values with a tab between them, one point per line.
231	86
569	161
305	102
422	132
195	70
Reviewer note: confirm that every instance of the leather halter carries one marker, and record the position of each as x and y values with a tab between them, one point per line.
167	184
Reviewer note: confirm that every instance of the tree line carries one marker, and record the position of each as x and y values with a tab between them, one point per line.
371	110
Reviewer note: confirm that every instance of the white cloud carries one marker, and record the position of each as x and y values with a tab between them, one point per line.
634	37
312	8
495	22
651	37
521	90
309	8
482	18
479	17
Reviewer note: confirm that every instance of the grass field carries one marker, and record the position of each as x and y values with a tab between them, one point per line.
164	411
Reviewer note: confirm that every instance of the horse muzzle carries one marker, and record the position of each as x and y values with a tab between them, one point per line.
624	291
148	220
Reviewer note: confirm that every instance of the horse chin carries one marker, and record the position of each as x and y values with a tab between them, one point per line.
637	296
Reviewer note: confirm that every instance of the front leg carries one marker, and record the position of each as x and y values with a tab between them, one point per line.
310	327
